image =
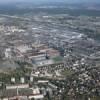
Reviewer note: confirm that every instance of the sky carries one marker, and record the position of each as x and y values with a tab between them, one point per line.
6	1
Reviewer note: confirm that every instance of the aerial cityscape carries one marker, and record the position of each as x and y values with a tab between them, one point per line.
50	50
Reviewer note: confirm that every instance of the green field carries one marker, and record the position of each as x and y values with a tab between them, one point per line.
95	98
67	73
58	59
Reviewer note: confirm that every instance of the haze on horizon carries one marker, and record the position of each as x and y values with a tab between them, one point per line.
67	1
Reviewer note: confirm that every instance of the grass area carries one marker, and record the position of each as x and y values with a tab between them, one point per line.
95	98
67	73
58	59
